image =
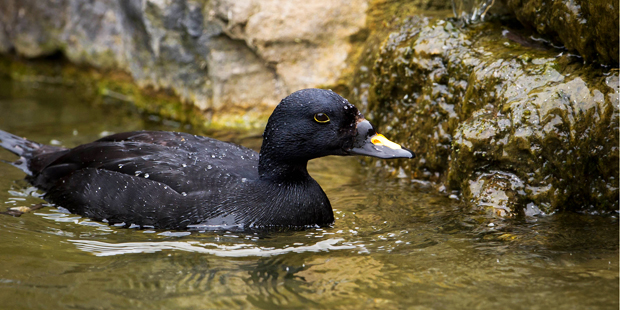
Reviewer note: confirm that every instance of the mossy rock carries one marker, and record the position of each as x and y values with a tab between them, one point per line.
494	114
589	27
113	86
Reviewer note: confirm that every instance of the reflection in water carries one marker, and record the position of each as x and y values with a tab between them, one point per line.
296	281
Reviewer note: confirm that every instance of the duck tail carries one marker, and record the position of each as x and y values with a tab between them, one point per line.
21	147
17	145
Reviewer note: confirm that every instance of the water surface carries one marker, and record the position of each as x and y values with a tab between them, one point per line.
392	247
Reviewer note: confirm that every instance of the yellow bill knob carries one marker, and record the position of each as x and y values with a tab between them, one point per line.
380	139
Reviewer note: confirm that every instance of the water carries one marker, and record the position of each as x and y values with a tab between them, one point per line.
392	247
471	11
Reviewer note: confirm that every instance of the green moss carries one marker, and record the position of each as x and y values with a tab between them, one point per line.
97	86
384	16
588	27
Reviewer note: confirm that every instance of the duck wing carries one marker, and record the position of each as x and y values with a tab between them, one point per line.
184	162
162	179
115	197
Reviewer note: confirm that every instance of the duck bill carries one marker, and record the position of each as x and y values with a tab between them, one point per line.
369	143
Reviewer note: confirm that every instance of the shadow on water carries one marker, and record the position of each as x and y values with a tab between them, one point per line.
391	247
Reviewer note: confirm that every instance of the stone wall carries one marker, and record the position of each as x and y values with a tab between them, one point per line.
211	53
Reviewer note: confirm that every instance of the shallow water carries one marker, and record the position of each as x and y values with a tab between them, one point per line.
391	247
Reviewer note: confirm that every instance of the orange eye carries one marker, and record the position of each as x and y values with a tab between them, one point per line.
321	118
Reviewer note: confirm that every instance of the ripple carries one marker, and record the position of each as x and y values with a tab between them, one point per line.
99	248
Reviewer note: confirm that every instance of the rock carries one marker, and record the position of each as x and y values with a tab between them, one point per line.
213	53
509	122
588	26
306	42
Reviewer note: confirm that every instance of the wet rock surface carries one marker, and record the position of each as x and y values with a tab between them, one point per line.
518	127
589	27
212	53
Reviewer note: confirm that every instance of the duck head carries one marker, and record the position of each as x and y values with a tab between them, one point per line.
312	123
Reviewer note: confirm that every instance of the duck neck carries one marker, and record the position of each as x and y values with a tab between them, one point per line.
282	171
291	196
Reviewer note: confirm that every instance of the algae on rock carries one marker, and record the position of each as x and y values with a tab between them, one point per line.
588	26
514	125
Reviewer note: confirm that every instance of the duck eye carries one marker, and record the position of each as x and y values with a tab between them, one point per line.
321	118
